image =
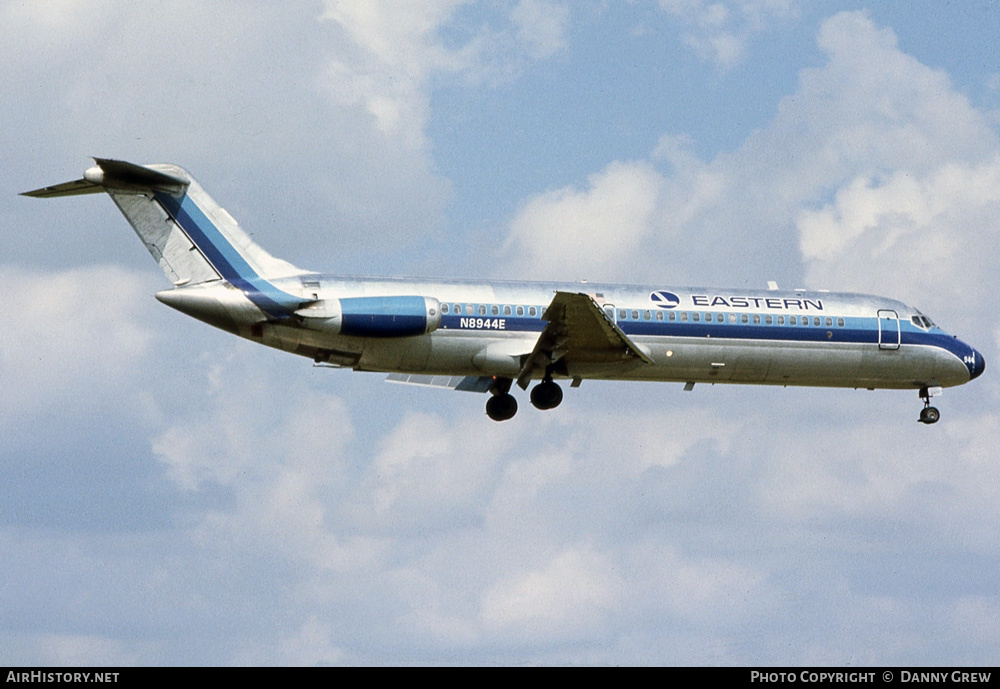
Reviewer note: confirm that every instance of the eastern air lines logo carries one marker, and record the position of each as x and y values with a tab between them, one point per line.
665	299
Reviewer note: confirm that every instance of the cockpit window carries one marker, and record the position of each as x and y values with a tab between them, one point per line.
922	321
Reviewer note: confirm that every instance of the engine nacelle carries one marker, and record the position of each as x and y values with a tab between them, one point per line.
374	316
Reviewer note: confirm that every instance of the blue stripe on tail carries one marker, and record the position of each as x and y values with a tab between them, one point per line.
226	258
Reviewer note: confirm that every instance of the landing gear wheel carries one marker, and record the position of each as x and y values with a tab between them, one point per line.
501	407
546	395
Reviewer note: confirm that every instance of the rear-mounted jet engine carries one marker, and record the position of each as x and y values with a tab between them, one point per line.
403	316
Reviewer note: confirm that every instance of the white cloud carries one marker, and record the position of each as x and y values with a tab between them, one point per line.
427	471
541	26
908	230
701	590
285	463
585	234
311	646
571	595
78	650
398	48
719	31
397	53
71	331
56	23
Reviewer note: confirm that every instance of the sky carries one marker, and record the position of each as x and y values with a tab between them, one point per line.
172	495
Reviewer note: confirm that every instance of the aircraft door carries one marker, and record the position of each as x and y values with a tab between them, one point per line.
888	329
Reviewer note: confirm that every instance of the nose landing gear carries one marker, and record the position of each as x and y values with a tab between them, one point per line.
929	414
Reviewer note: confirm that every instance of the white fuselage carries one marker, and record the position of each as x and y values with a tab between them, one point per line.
708	335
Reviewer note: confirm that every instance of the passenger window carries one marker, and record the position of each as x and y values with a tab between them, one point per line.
781	320
635	315
768	320
659	315
495	310
792	320
695	317
520	310
646	316
829	322
840	322
506	311
756	319
469	309
720	318
482	309
444	309
744	318
672	317
732	318
531	311
622	314
816	321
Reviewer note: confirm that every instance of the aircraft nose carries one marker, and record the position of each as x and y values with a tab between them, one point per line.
978	365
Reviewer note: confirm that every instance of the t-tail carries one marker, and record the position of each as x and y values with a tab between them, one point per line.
193	239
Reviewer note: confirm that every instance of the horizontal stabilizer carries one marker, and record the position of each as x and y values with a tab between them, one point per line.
74	188
116	175
463	383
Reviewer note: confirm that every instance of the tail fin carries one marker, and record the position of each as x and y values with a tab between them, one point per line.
192	237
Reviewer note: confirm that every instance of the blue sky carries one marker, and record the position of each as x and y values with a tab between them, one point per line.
174	495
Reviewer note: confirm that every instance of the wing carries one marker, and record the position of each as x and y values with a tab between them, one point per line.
578	330
464	383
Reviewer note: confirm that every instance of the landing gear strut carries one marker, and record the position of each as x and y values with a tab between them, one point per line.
501	406
929	414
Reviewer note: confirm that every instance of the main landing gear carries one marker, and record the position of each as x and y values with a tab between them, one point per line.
546	395
502	405
929	414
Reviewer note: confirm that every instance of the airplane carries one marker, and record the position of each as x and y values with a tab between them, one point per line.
487	336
